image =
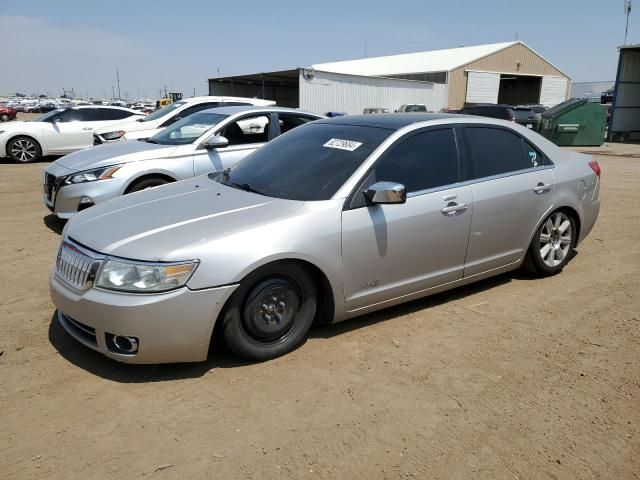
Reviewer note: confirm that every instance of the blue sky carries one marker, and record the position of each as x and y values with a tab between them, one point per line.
49	45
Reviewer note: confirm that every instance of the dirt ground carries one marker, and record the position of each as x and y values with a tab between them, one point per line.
510	378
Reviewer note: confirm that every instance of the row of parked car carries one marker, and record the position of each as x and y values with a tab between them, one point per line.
251	221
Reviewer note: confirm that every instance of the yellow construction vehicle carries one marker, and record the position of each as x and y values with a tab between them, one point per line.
171	97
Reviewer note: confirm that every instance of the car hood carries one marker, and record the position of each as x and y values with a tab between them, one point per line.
165	223
128	127
114	153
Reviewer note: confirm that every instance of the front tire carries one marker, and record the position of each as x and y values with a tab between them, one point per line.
4	117
552	245
271	312
24	150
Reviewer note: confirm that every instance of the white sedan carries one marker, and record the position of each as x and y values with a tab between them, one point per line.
170	114
59	132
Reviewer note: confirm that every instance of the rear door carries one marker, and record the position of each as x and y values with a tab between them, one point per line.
245	134
289	121
394	250
512	185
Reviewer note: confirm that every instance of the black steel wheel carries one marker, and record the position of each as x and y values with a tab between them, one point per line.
271	312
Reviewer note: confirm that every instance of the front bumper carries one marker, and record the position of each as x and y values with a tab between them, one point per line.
65	202
170	327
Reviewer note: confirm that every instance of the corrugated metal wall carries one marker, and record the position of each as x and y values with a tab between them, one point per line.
327	92
504	61
626	103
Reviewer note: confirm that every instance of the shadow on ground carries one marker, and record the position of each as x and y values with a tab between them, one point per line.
53	223
220	357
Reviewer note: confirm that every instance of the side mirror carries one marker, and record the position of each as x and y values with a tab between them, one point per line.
217	141
386	192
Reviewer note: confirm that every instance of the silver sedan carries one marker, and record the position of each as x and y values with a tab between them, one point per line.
332	220
210	140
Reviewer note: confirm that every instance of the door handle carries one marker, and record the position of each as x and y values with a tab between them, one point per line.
542	188
87	128
454	209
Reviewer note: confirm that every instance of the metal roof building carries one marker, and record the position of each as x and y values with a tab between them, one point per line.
508	72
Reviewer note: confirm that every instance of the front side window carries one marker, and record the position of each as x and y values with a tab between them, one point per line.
309	163
188	129
495	151
422	161
246	130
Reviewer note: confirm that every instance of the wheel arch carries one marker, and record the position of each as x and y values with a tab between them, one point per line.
131	183
27	135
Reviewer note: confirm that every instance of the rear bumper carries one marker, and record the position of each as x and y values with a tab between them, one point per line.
170	327
590	213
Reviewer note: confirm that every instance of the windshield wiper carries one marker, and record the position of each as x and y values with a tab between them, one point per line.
149	140
247	187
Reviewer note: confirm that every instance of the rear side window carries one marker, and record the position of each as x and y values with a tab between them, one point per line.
425	160
495	151
112	114
289	121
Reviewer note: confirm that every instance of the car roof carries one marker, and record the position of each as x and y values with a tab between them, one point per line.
252	108
390	121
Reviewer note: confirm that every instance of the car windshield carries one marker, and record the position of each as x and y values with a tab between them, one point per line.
188	129
310	162
162	112
47	116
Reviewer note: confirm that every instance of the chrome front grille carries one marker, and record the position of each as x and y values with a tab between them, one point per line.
76	267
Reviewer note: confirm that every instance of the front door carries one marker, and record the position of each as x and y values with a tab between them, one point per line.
245	135
394	250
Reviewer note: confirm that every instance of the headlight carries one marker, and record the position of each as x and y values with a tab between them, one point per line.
113	135
92	175
142	277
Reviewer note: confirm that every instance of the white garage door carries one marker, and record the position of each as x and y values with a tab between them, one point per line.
553	91
482	87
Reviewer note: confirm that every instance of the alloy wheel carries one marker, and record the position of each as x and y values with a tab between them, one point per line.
556	238
24	150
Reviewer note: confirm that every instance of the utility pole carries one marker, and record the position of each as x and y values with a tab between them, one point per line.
118	77
627	12
194	91
365	45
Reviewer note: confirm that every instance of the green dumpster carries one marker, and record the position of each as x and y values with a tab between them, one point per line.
574	122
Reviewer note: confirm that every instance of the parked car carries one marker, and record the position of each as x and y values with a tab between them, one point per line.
526	115
207	141
165	116
502	112
412	108
375	110
58	132
337	218
7	113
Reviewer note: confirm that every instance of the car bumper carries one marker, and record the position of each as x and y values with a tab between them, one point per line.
170	327
589	216
70	199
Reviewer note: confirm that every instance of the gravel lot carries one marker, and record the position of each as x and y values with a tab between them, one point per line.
509	378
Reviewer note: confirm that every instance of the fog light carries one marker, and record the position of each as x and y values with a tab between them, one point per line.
85	202
122	344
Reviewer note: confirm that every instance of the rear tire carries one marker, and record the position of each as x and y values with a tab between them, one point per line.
4	117
552	245
271	312
147	183
24	150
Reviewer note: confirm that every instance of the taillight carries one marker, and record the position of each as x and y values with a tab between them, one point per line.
595	167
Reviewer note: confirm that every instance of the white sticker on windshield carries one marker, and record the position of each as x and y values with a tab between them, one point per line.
340	144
